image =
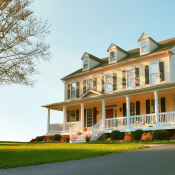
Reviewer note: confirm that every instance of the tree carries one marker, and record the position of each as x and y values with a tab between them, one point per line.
22	43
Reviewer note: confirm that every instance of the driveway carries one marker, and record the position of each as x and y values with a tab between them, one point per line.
156	160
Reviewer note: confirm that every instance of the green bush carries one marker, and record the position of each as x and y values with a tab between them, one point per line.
160	135
57	137
137	134
39	138
116	135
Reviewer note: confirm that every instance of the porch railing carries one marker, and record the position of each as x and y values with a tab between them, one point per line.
69	124
116	123
142	120
167	118
56	127
97	128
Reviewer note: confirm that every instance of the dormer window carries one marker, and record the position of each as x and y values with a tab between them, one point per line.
85	64
112	56
144	46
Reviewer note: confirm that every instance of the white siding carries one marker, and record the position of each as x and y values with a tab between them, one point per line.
172	68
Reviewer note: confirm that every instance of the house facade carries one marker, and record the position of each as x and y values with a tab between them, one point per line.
125	91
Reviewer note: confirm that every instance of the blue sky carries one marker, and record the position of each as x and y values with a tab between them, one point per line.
77	26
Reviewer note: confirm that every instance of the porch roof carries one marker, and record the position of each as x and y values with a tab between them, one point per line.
138	90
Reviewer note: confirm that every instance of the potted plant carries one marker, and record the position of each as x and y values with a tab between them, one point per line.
88	137
67	138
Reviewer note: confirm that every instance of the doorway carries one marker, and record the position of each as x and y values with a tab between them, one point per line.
109	113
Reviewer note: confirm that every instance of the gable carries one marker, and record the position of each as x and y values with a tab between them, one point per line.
143	36
85	55
111	47
90	93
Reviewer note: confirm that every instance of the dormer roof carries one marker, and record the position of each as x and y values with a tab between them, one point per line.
91	56
90	93
112	46
145	36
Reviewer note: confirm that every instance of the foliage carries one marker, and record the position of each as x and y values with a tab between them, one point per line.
108	139
87	139
105	136
160	135
39	138
22	43
147	137
32	140
116	135
137	134
67	139
57	137
127	138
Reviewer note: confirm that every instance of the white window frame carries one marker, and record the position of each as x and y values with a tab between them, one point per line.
115	56
150	63
87	64
108	73
154	105
131	68
71	90
148	47
134	102
87	83
87	117
144	46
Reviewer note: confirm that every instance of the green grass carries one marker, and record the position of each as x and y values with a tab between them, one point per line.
15	154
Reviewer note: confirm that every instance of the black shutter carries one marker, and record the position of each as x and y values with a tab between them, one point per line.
137	107
163	107
68	116
147	106
103	84
84	86
147	74
77	115
77	88
161	69
68	91
124	79
84	118
114	81
124	109
137	79
95	84
95	115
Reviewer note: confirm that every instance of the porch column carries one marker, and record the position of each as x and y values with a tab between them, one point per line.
64	118
156	107
82	116
48	121
128	111
103	114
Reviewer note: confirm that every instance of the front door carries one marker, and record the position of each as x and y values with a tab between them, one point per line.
109	113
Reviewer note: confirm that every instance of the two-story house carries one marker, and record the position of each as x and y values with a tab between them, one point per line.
125	91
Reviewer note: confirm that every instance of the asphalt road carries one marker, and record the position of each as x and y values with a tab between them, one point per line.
157	160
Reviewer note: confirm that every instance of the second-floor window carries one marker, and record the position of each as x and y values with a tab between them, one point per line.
154	73
89	84
112	56
73	90
85	64
108	83
130	78
144	46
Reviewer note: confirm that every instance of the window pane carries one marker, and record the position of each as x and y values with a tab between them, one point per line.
85	64
89	84
154	68
112	56
73	86
154	73
72	116
108	83
144	44
73	94
132	108
130	78
144	49
89	117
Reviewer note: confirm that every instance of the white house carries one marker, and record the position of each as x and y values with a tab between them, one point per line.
125	91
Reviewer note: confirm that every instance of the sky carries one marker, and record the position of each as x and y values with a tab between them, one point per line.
77	26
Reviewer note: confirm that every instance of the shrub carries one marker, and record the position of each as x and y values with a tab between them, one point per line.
147	137
116	135
137	134
127	138
160	135
49	138
32	140
108	139
57	137
67	138
39	138
105	136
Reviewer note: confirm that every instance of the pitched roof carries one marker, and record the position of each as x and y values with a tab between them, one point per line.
132	54
118	48
94	57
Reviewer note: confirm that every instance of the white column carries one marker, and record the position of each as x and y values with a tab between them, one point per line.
64	118
103	114
48	122
82	116
128	111
156	107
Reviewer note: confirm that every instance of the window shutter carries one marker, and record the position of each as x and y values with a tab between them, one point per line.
147	74
84	86
103	84
95	84
95	115
161	69
68	116
124	109
124	79
114	81
84	118
77	115
163	108
68	92
137	79
148	106
77	88
137	107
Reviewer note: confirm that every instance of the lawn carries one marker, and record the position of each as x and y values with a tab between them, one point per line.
17	154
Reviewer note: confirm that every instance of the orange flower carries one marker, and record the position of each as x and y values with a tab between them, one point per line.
146	137
127	138
85	129
79	133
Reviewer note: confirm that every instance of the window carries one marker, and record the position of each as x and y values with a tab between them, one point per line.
132	109
112	56
89	117
154	73
85	64
153	106
89	84
144	46
108	83
73	90
130	78
72	116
